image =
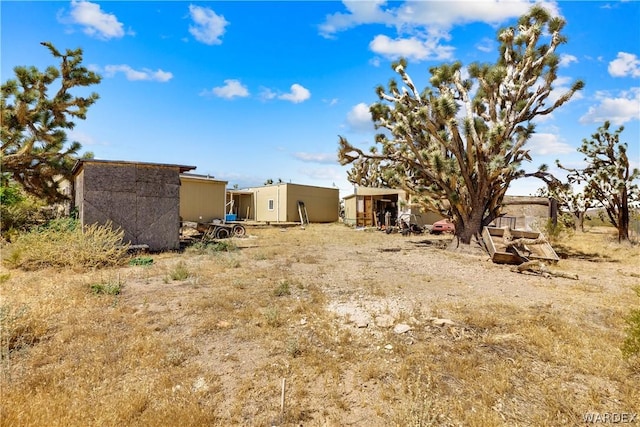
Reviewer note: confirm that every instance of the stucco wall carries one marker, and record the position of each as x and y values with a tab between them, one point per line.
141	199
530	212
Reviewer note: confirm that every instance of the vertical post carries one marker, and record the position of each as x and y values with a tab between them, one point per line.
553	211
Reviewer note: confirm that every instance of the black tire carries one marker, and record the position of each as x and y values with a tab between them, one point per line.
239	230
222	233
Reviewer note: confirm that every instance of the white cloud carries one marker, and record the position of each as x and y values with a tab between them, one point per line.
330	158
298	94
486	45
323	174
445	14
626	64
411	48
137	75
267	94
359	12
617	109
208	27
423	14
232	88
96	22
566	60
83	138
562	85
548	143
543	119
359	119
421	26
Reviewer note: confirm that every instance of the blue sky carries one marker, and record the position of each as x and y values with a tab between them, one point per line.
250	91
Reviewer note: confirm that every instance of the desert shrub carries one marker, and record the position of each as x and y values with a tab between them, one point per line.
564	227
418	407
631	345
64	244
293	347
282	289
20	213
141	260
180	272
107	287
273	317
203	248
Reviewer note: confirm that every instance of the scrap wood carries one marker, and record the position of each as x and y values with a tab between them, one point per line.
509	241
521	242
539	267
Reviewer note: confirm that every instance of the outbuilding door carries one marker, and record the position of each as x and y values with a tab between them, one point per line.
364	211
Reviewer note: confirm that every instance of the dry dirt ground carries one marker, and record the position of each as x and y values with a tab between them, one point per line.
366	329
373	282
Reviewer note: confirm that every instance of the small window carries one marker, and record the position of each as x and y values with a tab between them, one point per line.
270	203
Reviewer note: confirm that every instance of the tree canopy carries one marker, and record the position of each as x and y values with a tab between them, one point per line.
35	150
608	179
458	144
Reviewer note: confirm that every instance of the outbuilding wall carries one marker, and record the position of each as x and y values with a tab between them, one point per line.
529	212
277	211
142	199
202	199
322	203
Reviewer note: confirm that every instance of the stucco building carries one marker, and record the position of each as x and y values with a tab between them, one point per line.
142	199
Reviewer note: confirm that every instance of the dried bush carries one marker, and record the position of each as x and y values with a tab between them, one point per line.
64	244
21	213
19	329
631	345
180	272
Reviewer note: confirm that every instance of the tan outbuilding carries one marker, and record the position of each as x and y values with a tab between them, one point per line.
202	198
142	199
367	207
283	202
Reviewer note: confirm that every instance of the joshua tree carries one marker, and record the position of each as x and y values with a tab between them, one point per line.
607	179
35	152
457	145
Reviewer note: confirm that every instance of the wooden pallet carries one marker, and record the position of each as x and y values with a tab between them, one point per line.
501	254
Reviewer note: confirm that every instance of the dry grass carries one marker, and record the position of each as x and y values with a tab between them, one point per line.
211	346
94	247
